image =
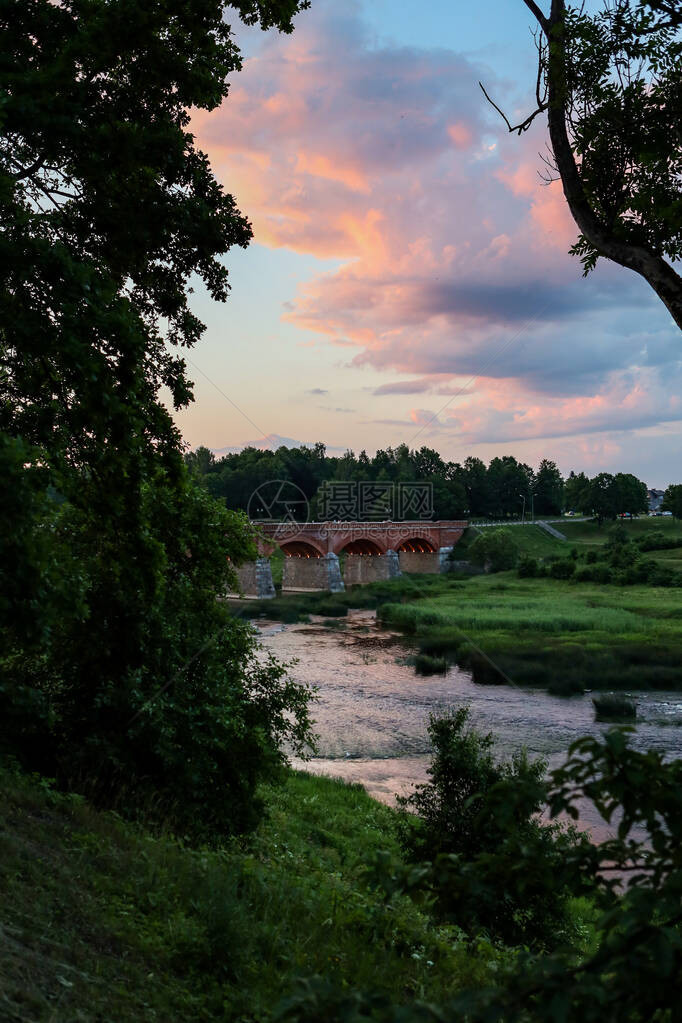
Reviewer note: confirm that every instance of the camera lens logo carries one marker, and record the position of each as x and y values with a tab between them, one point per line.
278	501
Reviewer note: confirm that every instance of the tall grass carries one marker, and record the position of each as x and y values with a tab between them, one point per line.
102	920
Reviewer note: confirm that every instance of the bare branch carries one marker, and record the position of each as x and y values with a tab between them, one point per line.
518	128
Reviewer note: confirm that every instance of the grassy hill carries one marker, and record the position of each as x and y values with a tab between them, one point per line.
101	920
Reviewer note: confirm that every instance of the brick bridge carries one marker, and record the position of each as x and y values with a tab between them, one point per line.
371	551
315	539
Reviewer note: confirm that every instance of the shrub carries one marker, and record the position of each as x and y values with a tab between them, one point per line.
495	550
617	536
657	541
493	865
330	609
527	567
427	664
614	707
662	575
563	569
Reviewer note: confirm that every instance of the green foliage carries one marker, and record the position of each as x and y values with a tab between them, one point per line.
430	664
494	549
493	865
120	669
527	567
622	66
564	568
658	541
107	920
187	710
548	489
633	970
470	489
614	707
672	500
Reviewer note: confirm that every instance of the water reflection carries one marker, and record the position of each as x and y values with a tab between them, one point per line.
373	710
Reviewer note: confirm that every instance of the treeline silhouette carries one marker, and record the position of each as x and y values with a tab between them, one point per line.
505	488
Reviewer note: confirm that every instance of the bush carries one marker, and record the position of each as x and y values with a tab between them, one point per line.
527	567
599	573
493	865
614	707
428	664
140	686
657	541
495	550
330	609
563	569
662	575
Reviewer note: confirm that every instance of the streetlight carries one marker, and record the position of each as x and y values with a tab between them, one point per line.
523	513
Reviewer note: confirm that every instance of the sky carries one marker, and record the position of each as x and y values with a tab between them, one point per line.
409	279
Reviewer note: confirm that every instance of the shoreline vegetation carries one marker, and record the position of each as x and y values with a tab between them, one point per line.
558	628
103	919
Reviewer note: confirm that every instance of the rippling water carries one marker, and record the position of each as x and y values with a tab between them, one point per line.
372	709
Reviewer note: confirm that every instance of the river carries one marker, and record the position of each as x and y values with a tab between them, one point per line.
372	710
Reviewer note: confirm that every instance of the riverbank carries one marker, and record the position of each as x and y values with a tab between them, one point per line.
101	919
559	634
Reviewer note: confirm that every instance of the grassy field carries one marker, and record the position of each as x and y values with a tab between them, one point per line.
533	540
547	632
591	532
100	920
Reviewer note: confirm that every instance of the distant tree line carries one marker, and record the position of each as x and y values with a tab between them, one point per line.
504	488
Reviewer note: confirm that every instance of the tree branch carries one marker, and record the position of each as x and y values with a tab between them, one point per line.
538	15
30	170
653	268
518	128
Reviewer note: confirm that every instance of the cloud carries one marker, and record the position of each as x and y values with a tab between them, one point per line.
454	268
404	387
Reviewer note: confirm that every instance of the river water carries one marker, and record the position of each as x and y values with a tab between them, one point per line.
372	710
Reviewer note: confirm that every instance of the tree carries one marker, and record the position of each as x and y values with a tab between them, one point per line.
577	493
630	494
107	210
509	483
548	489
473	817
495	550
672	500
610	84
602	497
200	461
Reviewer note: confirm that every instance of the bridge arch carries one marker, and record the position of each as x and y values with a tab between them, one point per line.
361	545
417	545
300	549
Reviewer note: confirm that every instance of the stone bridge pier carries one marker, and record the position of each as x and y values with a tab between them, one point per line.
255	580
303	573
360	569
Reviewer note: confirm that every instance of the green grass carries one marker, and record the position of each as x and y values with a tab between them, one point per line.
551	633
101	920
534	541
590	532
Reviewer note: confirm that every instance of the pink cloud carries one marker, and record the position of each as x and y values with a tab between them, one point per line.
454	252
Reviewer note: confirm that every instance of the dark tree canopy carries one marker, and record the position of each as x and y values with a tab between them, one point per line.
611	85
111	557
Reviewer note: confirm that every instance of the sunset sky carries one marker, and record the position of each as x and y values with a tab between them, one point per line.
409	278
